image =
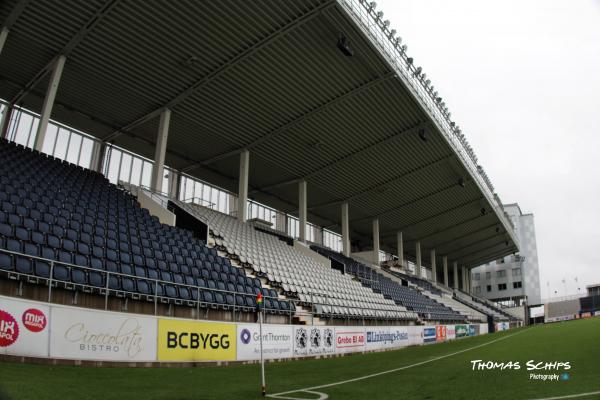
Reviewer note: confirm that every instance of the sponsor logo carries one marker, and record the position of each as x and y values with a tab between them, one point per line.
429	335
301	338
350	339
440	333
127	338
315	338
34	320
9	330
328	338
195	341
245	336
386	337
471	330
565	376
461	331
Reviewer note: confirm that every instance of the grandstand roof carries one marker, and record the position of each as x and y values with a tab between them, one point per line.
268	77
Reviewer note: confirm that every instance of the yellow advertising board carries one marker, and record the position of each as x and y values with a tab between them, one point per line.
196	341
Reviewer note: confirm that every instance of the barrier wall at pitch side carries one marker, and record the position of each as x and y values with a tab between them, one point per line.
36	329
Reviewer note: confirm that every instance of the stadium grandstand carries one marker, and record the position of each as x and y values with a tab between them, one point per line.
202	164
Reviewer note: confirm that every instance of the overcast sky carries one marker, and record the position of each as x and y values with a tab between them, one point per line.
522	80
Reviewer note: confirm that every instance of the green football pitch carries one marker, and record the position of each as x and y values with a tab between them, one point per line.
438	371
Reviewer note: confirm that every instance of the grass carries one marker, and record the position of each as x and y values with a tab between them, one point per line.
449	378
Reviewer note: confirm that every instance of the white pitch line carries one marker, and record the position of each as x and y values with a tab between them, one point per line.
311	389
569	396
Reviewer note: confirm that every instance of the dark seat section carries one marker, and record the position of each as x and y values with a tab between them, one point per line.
58	211
413	300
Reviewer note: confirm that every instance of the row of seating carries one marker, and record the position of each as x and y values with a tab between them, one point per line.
327	291
426	307
60	217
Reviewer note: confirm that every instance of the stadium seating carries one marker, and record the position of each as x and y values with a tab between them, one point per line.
63	224
426	307
482	306
422	283
326	290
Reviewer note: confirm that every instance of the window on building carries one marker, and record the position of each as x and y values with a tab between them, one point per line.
517	285
476	276
489	288
488	275
502	286
500	261
516	272
501	273
477	289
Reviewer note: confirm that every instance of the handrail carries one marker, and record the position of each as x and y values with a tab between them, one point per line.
155	282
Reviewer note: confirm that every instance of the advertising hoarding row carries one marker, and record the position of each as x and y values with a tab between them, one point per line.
35	329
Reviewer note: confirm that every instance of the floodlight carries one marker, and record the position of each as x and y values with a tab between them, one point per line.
344	47
423	134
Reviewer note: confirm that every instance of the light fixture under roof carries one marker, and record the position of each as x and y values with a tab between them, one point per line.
423	134
344	47
461	182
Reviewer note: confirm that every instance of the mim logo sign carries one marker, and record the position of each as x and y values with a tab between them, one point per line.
34	320
9	330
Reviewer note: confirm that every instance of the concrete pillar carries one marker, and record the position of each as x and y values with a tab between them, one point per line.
160	151
174	181
345	230
376	241
8	110
57	70
464	278
400	248
98	151
302	210
3	36
445	262
433	266
455	265
243	185
468	277
418	263
6	121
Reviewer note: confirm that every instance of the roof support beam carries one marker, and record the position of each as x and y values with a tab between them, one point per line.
433	265
400	247
376	241
445	266
285	127
3	36
475	232
243	185
454	239
419	263
345	230
57	70
302	210
484	259
465	257
10	21
348	157
441	213
455	267
160	151
383	184
443	230
414	201
66	50
215	74
15	13
485	239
